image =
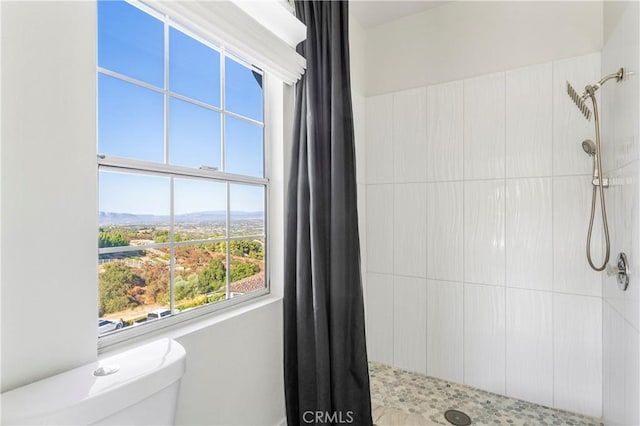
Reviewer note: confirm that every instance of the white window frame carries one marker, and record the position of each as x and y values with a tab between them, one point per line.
119	164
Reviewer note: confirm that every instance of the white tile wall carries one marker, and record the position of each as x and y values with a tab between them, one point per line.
379	150
359	132
410	135
379	317
613	335
529	121
444	230
571	207
444	330
410	323
620	106
484	127
379	199
484	337
445	131
410	229
475	241
529	343
529	359
621	198
631	375
621	142
631	224
623	205
577	341
484	240
570	127
528	233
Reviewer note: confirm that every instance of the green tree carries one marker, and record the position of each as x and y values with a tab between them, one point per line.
244	248
240	270
160	236
112	237
187	288
213	276
114	285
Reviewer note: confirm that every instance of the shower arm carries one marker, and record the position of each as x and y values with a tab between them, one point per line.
591	89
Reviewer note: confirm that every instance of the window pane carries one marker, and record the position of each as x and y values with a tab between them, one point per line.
244	150
130	120
247	210
194	69
200	209
247	266
133	205
243	90
200	275
130	42
132	285
194	135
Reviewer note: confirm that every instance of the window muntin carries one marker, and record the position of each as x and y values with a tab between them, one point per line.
176	230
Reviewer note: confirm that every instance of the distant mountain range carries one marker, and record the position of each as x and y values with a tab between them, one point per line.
110	218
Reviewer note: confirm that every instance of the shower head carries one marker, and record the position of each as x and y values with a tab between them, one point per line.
589	147
579	101
591	89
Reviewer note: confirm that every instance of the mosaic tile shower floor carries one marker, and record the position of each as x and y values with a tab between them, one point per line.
400	397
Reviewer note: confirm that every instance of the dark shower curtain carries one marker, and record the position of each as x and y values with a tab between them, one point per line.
326	373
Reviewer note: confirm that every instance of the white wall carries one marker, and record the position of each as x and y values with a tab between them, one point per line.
620	135
234	371
49	247
464	39
357	48
49	283
477	205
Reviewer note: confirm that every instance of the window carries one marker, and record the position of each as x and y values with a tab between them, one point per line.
181	172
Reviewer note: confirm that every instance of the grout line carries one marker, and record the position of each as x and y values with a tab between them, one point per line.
617	311
426	231
442	280
510	178
393	254
504	224
553	141
463	242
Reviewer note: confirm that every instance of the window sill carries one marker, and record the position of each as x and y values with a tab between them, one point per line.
188	326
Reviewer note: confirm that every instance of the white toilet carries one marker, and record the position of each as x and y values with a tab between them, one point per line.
140	388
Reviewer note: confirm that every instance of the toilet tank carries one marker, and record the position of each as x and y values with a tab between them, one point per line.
142	389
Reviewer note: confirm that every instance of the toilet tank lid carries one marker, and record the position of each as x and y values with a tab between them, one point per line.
74	394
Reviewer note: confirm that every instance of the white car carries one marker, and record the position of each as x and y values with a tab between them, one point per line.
105	325
158	313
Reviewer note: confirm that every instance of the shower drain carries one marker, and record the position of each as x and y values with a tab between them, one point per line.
457	418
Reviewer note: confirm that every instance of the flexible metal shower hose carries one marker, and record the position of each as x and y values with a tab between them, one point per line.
603	206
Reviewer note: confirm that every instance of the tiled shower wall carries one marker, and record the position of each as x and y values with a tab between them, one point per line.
620	134
477	196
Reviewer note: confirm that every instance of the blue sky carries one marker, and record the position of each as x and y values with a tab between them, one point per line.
131	117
